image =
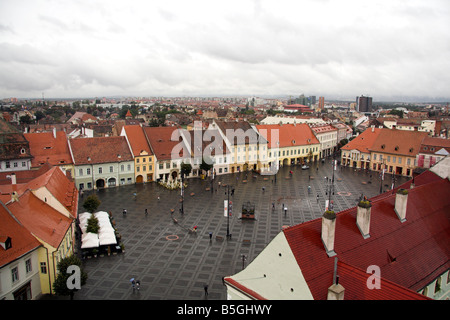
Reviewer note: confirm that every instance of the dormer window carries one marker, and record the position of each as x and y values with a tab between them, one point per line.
22	151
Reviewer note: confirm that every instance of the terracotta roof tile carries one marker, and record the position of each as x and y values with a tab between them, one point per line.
289	135
22	241
100	150
40	219
137	140
418	244
399	142
364	141
161	143
46	148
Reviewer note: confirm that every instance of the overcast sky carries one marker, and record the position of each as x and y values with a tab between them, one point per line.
190	48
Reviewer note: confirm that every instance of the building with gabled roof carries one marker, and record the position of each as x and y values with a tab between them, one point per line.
50	147
144	161
51	228
19	261
290	144
395	246
169	149
102	162
14	149
396	150
356	153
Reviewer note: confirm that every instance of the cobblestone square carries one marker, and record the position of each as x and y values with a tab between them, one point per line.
173	263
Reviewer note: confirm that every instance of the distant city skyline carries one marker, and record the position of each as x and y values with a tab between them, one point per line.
389	50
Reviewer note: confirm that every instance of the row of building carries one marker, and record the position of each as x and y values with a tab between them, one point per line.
395	151
143	154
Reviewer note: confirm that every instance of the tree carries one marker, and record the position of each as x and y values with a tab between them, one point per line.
206	165
92	225
62	286
186	169
91	203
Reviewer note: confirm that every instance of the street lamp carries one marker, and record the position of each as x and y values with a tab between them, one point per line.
228	210
382	175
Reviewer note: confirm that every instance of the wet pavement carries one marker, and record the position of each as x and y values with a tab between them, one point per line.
173	263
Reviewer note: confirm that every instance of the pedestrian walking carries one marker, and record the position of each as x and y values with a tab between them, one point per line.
133	284
309	189
124	212
317	198
285	211
273	206
206	289
146	212
210	236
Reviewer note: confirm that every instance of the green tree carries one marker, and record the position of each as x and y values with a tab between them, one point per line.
186	169
60	286
92	225
206	165
91	203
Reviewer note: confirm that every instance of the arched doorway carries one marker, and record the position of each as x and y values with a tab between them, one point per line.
174	175
139	179
111	182
100	183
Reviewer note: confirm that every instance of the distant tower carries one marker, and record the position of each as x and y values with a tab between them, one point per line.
364	104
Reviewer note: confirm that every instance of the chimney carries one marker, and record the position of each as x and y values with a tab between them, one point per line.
328	231
335	291
364	208
401	201
54	132
13	178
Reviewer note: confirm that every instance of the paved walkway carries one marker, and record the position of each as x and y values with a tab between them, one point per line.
173	263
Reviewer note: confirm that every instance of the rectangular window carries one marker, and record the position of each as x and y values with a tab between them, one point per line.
143	159
15	164
88	171
100	170
43	267
80	172
400	160
138	169
161	166
14	274
144	168
374	156
167	165
28	267
150	167
89	185
137	160
8	165
111	169
128	167
81	187
24	164
122	167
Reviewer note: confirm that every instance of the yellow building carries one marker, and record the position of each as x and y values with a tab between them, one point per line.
396	151
144	160
52	229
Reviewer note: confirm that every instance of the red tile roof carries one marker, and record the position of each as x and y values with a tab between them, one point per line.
398	142
22	241
100	150
137	140
364	141
161	143
40	219
61	187
418	245
46	148
289	135
354	280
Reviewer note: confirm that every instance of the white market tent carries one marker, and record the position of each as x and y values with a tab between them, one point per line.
105	236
